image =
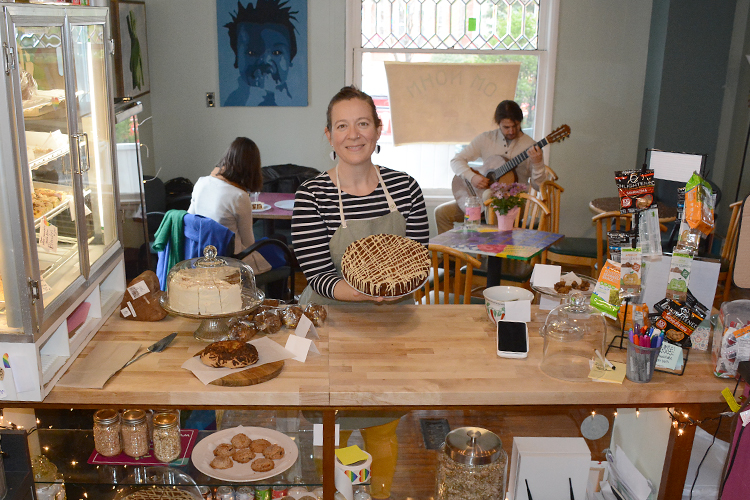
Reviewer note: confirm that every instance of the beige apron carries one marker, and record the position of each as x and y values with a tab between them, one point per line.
351	231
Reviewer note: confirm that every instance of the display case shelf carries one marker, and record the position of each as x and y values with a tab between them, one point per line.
48	157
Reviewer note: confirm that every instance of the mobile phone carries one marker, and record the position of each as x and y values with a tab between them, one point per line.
512	339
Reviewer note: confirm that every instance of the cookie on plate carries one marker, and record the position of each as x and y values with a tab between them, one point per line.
243	455
221	463
241	441
274	452
258	445
224	450
262	465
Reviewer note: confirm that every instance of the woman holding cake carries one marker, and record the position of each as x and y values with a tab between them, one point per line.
222	196
354	199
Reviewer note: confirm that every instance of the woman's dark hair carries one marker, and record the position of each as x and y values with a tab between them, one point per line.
348	93
508	109
241	164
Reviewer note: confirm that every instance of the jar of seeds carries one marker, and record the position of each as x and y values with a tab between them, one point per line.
471	466
166	437
107	432
134	433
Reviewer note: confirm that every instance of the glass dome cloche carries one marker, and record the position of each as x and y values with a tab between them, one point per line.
212	289
572	333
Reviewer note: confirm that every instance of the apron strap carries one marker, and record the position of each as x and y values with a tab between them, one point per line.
391	204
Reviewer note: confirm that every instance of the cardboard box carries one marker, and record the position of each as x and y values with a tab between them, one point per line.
550	465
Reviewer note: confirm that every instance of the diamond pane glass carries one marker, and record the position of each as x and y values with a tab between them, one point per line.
450	24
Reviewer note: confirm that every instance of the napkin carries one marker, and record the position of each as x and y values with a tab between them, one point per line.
93	371
268	352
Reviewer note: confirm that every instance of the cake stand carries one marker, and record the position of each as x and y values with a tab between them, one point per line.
215	327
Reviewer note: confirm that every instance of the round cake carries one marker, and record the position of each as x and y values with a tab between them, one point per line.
385	265
229	354
205	291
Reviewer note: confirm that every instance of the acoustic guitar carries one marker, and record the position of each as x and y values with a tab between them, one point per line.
506	171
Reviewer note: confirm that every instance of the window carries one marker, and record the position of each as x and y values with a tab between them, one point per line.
452	31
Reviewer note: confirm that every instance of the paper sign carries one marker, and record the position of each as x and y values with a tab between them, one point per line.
23	373
125	311
300	347
318	434
132	309
45	287
745	416
305	328
351	454
140	288
518	310
545	275
669	356
48	236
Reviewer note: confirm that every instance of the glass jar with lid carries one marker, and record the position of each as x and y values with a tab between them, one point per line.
134	433
107	432
472	465
572	333
211	288
472	212
166	437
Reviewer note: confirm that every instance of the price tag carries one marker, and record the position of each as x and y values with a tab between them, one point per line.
45	287
139	289
48	236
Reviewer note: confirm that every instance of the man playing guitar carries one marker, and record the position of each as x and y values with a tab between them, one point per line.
495	147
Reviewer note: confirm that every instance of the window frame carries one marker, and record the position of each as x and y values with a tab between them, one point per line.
546	52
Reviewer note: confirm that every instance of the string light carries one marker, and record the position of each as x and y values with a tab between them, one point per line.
681	420
637	413
593	413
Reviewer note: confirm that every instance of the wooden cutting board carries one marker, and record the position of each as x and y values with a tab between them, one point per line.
251	376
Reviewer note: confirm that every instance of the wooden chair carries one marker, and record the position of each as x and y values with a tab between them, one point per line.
728	253
550	175
551	195
460	291
608	221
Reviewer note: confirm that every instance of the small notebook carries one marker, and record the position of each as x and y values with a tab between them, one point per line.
612	376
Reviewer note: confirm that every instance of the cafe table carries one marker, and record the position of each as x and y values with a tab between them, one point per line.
271	211
518	244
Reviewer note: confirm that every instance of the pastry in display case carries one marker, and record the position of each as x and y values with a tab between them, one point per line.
59	200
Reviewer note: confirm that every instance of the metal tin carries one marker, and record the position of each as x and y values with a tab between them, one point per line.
473	446
279	489
262	493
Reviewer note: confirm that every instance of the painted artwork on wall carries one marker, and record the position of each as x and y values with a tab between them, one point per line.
262	52
131	53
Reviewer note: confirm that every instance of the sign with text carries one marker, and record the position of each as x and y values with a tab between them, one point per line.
446	103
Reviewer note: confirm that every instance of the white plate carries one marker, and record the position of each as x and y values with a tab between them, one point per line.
552	293
203	453
266	206
285	204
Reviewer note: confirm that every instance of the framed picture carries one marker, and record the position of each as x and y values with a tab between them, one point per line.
131	48
262	52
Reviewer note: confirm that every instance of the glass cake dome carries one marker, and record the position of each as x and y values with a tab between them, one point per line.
213	289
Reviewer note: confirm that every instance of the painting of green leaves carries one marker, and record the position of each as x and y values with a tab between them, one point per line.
132	53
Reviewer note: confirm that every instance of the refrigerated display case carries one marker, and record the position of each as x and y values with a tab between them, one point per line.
61	256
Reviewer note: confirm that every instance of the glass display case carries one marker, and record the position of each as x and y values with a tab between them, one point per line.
58	216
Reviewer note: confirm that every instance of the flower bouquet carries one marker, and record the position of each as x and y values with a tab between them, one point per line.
506	201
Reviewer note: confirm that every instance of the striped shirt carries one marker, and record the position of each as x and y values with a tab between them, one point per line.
316	217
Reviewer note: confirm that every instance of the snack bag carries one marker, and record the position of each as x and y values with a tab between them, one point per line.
688	238
616	240
606	296
699	205
731	337
680	318
679	275
649	237
636	190
630	272
637	314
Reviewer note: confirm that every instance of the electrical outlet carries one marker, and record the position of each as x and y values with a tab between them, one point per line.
211	99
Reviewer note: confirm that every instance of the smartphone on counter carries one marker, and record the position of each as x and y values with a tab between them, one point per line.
512	339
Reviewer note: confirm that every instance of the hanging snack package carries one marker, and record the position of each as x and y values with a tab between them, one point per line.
637	314
649	237
606	296
679	275
630	272
688	238
699	205
616	240
636	190
680	318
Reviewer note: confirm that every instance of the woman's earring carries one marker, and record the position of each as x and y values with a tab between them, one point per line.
332	154
377	149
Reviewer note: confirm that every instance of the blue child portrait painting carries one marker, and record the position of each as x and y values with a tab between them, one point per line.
262	52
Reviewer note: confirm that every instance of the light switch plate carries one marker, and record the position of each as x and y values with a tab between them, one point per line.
211	99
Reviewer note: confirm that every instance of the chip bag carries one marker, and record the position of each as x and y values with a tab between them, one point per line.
699	205
606	296
636	190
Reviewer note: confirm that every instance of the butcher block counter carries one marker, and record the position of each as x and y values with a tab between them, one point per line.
381	356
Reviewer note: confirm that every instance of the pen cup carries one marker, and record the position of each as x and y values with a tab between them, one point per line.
641	363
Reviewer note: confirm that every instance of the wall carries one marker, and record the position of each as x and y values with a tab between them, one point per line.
189	138
601	66
598	92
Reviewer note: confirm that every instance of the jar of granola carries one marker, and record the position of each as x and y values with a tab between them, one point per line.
166	437
134	433
107	432
471	465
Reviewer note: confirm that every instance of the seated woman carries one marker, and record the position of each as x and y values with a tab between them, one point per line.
352	200
223	196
